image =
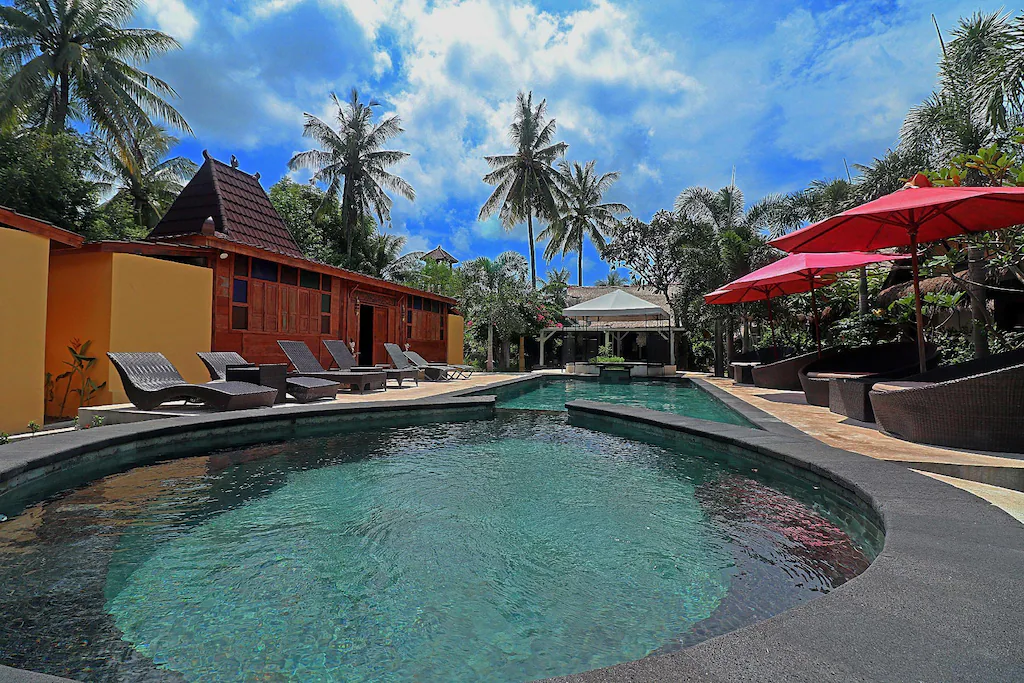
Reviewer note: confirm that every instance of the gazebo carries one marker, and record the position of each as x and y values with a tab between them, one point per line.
615	314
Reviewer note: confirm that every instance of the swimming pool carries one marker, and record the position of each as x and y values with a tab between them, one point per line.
682	398
502	550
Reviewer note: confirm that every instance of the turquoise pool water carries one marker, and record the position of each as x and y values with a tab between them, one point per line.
671	397
502	550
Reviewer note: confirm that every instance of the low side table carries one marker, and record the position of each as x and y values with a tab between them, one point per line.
274	375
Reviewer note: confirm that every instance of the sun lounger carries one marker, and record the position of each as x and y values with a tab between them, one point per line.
854	370
302	389
977	405
346	361
150	380
306	365
464	371
432	373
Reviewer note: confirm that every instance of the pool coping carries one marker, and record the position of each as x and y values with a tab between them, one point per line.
940	602
944	582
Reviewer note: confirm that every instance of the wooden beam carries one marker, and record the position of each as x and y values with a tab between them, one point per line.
17	221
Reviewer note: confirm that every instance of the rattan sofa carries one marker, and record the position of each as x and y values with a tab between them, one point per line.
894	360
785	374
742	364
977	405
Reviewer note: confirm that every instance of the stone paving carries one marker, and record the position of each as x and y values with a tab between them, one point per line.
866	439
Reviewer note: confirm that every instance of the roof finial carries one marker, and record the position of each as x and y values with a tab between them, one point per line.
206	154
234	161
257	176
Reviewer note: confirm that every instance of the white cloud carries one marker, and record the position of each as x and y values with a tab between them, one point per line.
381	63
174	18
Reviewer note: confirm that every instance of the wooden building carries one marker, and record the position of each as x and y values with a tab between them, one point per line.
264	289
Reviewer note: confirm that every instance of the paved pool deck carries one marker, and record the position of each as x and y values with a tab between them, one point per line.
995	477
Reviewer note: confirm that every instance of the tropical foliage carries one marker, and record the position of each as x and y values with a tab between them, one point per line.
526	182
583	213
142	175
353	162
75	60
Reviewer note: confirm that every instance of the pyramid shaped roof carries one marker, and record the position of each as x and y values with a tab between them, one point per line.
240	208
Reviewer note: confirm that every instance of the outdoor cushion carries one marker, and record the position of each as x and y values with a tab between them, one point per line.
747	364
837	375
893	385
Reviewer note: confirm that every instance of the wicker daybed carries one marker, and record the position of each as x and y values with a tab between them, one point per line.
149	380
743	363
977	405
891	361
784	374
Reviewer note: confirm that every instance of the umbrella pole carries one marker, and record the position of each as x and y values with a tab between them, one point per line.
814	308
771	323
922	364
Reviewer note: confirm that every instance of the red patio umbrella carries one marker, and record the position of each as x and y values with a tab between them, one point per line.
917	213
758	291
803	268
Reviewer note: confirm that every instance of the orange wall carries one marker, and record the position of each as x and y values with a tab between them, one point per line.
125	302
456	332
23	263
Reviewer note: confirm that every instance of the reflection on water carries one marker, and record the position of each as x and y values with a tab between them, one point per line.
504	550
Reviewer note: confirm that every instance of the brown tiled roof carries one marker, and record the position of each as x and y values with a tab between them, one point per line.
240	208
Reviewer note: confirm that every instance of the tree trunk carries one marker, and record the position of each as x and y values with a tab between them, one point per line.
533	255
976	274
490	347
60	113
506	353
730	342
719	361
745	333
522	354
863	290
579	265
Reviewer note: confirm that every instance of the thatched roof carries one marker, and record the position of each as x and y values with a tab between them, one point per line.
942	285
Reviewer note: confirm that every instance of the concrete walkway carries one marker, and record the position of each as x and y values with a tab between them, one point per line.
991	476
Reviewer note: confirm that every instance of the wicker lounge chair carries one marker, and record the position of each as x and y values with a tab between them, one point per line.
463	371
150	380
306	365
346	361
860	367
302	389
743	364
431	373
784	374
977	405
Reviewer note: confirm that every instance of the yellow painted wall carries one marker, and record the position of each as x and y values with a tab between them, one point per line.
161	306
456	332
125	302
23	264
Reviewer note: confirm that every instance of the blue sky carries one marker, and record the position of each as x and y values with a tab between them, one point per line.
670	93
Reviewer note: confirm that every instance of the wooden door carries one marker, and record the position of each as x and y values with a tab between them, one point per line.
380	334
270	310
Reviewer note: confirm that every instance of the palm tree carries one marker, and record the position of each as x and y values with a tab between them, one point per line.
381	256
141	176
527	184
76	60
352	161
582	213
613	279
493	292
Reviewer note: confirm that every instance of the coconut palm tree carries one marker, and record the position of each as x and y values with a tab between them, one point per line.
582	214
381	257
613	279
75	60
527	184
353	163
140	175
